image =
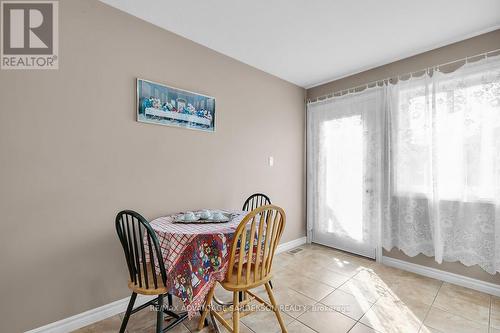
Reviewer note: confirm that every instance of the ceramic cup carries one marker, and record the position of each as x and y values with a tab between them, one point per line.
205	214
189	216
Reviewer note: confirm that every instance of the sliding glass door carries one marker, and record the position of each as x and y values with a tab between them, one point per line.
344	155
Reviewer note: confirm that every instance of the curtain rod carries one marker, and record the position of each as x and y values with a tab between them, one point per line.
375	83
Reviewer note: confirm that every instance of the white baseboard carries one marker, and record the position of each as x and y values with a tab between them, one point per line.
283	247
464	281
89	317
94	315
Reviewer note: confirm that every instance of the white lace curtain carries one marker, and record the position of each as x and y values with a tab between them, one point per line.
336	128
440	174
443	166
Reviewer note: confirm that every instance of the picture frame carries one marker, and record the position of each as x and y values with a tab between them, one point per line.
161	104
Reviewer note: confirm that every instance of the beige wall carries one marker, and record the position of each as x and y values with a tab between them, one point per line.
469	47
72	156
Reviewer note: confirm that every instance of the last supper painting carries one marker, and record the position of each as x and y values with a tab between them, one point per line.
164	105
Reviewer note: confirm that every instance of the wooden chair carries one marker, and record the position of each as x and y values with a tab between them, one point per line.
256	200
250	264
139	240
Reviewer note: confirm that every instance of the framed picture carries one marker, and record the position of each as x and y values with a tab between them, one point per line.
164	105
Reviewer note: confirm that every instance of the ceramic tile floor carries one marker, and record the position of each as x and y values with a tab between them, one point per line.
328	291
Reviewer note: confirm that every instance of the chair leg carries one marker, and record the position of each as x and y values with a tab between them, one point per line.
236	312
205	322
170	301
130	307
271	284
159	315
242	296
275	307
206	311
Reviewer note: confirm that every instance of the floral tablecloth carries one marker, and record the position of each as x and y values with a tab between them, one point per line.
195	255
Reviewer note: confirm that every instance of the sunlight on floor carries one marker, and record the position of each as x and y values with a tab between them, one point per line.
324	290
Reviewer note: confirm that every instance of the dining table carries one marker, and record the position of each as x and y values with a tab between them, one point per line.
195	255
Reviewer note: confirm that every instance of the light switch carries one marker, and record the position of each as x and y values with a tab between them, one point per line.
271	161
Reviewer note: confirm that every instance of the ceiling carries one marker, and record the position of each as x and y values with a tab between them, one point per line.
309	42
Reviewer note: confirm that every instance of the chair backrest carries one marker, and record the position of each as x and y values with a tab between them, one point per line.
142	250
256	200
254	244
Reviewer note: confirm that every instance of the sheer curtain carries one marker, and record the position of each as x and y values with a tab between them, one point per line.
344	168
442	194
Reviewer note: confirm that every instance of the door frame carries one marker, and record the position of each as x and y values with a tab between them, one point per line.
378	248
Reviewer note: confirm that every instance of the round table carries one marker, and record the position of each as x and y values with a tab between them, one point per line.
195	255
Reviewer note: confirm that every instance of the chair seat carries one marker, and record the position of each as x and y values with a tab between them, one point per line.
150	290
232	283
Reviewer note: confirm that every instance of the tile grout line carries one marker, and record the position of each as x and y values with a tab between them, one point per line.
297	319
490	311
460	315
359	320
312	299
374	303
430	307
352	277
371	306
316	302
356	321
